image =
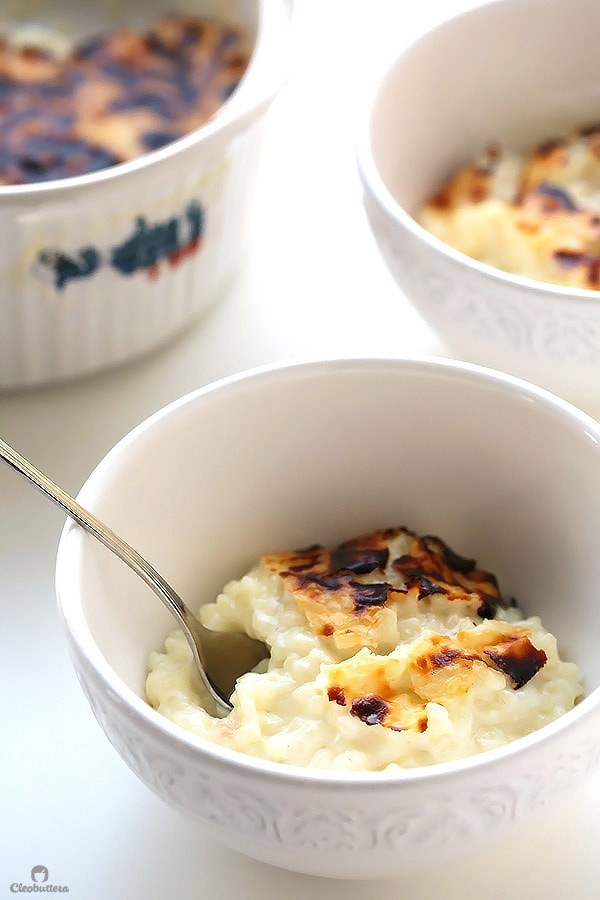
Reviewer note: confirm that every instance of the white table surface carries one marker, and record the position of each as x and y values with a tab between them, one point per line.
313	286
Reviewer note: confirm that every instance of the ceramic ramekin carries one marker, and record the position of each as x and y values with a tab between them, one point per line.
99	269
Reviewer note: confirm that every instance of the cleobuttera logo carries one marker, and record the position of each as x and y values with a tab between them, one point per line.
39	873
39	877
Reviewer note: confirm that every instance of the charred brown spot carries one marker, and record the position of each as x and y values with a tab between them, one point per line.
548	147
336	694
413	570
569	259
33	53
518	659
420	725
439	660
302	566
488	606
462	564
493	151
363	595
427	587
594	272
442	199
307	558
433	568
478	193
589	130
446	656
359	560
324	580
370	709
408	566
480	577
555	198
366	595
327	630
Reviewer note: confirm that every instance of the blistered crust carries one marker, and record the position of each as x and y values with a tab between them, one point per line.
537	216
354	592
388	650
394	692
114	98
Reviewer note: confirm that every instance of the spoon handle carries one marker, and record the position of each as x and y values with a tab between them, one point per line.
88	521
95	527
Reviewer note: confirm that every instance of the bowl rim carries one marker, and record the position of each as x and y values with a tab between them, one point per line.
85	648
374	184
230	118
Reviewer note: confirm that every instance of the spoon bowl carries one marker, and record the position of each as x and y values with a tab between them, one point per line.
219	658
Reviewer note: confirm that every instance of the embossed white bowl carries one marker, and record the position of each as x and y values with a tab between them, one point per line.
101	268
283	457
516	72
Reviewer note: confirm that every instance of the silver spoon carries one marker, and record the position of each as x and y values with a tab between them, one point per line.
225	655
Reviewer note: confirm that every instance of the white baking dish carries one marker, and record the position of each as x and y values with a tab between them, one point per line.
98	269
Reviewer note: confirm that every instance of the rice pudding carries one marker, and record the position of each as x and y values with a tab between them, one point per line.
112	98
388	651
534	214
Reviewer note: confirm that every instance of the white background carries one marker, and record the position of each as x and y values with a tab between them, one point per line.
313	286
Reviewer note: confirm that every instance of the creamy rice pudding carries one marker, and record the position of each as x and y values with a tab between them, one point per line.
536	215
390	650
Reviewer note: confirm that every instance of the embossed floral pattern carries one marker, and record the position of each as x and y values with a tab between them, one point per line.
506	324
398	826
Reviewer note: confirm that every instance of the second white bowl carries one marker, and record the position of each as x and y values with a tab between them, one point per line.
515	72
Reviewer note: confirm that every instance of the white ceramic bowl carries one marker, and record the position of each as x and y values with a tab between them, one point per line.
516	72
68	307
284	457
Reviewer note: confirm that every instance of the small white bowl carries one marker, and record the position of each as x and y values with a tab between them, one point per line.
516	72
87	280
283	457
